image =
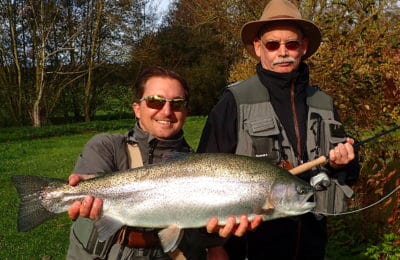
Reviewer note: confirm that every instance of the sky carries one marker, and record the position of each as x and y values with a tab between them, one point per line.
162	5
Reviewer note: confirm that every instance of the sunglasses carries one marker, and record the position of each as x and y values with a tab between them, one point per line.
275	45
158	102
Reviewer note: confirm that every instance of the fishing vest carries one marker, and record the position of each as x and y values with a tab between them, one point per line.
261	134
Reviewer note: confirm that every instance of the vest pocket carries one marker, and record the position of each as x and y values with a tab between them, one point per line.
332	133
264	137
263	127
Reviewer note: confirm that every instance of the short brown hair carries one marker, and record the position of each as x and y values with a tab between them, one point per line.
157	71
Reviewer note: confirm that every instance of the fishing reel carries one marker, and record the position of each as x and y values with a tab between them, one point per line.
320	181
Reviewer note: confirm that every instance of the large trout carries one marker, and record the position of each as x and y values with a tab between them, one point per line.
181	193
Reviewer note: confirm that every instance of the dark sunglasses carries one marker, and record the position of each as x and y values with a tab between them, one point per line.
274	45
158	102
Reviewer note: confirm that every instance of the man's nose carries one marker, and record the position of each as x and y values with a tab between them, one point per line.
166	109
282	51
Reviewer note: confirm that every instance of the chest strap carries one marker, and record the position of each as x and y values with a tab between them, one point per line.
134	156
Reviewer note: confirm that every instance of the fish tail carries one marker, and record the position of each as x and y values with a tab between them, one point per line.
31	211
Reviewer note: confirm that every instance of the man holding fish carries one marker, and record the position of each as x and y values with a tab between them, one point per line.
279	116
161	108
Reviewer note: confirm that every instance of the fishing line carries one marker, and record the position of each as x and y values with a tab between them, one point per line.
362	209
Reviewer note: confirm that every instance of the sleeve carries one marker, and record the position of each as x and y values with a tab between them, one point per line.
220	131
348	174
97	156
195	241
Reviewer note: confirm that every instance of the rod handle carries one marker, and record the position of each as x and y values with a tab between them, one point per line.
308	165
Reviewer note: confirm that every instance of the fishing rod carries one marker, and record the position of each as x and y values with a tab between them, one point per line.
323	159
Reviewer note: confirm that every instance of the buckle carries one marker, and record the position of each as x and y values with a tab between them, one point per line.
138	239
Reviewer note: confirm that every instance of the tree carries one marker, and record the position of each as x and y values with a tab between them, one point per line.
11	73
358	59
190	48
51	51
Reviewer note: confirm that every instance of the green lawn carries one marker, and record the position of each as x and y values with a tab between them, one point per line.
53	157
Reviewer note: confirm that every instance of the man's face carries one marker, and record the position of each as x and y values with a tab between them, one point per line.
285	58
161	121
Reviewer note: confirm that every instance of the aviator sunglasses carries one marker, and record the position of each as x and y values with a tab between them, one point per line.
158	102
274	45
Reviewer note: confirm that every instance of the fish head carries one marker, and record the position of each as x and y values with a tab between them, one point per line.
291	197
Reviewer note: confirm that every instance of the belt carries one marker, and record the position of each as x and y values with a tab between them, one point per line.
138	239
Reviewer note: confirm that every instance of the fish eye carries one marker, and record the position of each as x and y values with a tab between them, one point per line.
301	190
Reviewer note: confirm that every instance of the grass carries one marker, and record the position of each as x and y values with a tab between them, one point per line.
52	157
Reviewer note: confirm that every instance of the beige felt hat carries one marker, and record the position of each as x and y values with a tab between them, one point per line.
281	10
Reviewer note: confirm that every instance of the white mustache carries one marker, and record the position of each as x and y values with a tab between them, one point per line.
283	60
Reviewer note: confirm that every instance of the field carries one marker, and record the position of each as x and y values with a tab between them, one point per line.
52	151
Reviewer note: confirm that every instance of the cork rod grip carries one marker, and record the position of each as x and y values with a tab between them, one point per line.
308	165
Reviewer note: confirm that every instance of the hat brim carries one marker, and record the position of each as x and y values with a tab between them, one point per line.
311	31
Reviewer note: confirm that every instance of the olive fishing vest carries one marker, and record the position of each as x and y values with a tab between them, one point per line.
261	134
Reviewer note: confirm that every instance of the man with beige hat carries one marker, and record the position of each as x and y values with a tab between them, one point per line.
278	116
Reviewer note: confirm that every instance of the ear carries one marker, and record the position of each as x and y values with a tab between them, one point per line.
257	46
136	109
304	45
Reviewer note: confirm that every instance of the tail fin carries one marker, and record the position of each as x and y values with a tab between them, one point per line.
31	211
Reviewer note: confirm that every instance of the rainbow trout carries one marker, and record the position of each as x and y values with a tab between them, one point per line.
181	193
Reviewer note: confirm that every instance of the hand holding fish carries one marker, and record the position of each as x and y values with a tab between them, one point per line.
89	207
342	154
231	227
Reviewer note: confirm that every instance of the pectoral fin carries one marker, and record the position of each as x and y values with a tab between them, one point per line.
107	227
268	206
170	237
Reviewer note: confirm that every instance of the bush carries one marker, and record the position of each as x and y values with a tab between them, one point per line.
389	249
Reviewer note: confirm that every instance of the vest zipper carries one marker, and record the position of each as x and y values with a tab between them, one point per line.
153	145
295	122
299	160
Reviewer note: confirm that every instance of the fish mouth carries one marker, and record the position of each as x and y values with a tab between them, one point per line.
302	205
291	199
307	205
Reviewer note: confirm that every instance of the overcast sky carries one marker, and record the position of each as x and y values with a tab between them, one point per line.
162	5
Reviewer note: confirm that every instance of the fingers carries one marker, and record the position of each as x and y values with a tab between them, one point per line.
223	231
73	210
350	141
243	226
342	154
74	179
89	207
86	206
255	222
95	212
226	230
231	227
212	225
